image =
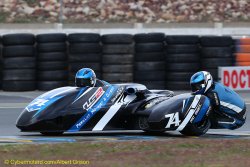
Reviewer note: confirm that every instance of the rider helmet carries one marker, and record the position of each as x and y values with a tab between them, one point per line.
85	77
201	82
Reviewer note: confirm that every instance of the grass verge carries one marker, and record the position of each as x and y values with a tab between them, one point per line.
174	152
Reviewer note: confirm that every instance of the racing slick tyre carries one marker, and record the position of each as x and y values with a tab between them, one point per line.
150	75
52	56
148	38
51	133
85	48
177	85
52	65
127	68
51	47
49	85
88	57
149	66
182	39
187	58
118	59
18	39
117	39
182	49
118	77
143	125
58	75
149	47
118	49
19	75
19	63
180	67
19	51
215	62
197	129
218	41
77	66
84	38
216	52
179	76
51	38
151	56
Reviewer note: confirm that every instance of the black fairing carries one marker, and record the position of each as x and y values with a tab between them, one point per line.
53	117
81	109
156	114
68	108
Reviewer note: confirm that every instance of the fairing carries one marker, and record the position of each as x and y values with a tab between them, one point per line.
74	109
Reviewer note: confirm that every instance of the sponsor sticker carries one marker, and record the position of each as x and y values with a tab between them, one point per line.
93	99
237	77
91	111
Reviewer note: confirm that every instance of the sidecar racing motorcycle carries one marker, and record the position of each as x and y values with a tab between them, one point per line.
115	107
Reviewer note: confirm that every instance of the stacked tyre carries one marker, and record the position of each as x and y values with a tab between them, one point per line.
216	51
85	51
19	62
52	62
117	60
242	52
182	60
150	60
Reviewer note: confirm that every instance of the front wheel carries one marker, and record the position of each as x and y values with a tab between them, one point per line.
197	129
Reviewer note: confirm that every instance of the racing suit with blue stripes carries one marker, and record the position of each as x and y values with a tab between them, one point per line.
229	108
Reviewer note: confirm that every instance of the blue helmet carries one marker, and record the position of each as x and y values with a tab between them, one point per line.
200	82
85	77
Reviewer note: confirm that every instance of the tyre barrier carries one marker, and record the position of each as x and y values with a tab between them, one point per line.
182	60
52	64
117	58
84	51
216	51
19	62
153	59
242	52
150	60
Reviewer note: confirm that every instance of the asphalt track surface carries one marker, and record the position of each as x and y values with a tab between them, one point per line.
12	104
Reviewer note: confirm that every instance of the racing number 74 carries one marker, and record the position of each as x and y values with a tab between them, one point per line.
173	119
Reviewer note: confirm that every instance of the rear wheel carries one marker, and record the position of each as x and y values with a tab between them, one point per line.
197	129
51	133
143	125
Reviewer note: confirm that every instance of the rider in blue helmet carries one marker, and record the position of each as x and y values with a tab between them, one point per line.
229	108
86	77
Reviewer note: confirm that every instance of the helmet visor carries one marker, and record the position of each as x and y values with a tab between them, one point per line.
82	82
197	86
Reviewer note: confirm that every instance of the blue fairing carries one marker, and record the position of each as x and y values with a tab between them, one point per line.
93	110
202	111
81	92
42	102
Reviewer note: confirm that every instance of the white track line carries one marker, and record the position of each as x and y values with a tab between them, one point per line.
13	105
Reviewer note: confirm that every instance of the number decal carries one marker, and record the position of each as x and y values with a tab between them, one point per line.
173	119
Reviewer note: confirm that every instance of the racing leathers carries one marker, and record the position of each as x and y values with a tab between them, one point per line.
229	109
